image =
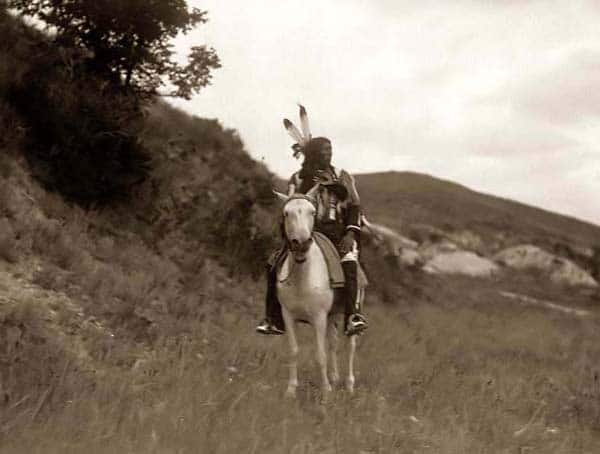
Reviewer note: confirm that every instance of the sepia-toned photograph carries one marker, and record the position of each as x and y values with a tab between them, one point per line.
312	227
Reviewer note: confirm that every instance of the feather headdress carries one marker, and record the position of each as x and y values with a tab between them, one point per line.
301	137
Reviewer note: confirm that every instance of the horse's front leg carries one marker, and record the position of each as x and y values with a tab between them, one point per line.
320	324
351	353
332	338
290	327
352	350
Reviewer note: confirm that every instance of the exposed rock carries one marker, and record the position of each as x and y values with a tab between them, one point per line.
430	250
391	244
584	251
386	238
466	240
560	269
461	262
526	256
572	274
410	257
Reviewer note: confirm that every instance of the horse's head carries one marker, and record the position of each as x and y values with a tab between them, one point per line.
299	211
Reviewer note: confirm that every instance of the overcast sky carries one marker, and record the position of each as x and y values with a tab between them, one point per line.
502	96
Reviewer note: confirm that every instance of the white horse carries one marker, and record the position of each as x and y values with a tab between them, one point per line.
305	294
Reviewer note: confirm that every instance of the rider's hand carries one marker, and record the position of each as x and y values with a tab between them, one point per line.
323	177
347	243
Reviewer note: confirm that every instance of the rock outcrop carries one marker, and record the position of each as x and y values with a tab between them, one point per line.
430	250
461	262
559	269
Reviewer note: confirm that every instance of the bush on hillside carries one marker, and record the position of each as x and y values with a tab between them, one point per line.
81	137
236	230
31	354
8	242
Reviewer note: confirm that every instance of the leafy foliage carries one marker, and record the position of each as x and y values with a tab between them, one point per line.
78	133
81	142
129	41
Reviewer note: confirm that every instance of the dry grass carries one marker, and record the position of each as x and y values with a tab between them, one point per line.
487	377
163	358
449	368
8	242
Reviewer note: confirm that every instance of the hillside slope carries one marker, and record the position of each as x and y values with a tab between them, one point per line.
89	289
405	199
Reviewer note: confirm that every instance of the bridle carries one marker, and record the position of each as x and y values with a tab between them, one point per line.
303	247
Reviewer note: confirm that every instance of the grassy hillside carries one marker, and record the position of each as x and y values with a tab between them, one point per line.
127	325
95	279
457	371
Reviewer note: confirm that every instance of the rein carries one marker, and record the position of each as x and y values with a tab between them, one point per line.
304	246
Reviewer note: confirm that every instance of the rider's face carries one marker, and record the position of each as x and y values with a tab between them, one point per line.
325	154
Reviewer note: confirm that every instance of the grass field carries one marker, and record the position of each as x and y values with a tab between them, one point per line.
458	370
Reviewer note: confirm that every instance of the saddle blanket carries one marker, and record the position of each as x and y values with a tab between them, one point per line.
332	258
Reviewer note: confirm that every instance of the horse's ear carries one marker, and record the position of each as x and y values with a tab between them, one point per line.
282	197
313	191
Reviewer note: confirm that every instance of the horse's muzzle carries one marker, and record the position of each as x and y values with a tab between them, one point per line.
300	247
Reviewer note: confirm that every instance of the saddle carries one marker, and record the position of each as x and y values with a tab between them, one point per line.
332	258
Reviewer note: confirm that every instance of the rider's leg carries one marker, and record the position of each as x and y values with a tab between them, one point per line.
355	322
273	307
273	323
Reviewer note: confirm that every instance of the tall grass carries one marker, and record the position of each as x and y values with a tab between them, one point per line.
437	381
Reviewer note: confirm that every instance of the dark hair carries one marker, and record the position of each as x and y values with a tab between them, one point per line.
313	147
311	162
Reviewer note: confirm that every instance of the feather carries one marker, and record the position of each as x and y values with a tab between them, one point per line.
304	123
298	150
293	131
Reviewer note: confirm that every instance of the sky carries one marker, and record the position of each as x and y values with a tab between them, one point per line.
501	96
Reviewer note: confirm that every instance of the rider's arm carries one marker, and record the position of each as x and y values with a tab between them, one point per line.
352	220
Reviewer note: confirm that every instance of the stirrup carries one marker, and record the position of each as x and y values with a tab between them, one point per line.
265	327
356	325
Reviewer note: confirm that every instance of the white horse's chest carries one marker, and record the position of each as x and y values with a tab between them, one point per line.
304	289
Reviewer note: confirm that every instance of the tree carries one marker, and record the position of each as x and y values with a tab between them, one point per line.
130	41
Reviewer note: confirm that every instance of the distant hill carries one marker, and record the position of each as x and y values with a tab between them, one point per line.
407	201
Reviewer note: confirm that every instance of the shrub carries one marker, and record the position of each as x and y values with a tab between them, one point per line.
9	203
11	134
82	137
8	242
62	244
32	352
49	276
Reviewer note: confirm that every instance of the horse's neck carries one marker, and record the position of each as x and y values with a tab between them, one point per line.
313	272
305	292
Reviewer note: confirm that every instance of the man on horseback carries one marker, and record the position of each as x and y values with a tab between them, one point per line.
337	217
